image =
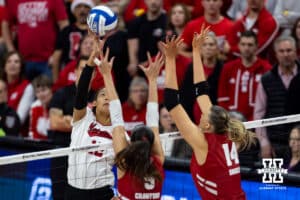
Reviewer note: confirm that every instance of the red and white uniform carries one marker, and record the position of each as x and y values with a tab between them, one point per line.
36	22
219	177
15	91
39	121
182	64
130	189
91	170
133	117
238	84
265	27
221	29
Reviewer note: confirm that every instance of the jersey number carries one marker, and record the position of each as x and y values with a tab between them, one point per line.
231	155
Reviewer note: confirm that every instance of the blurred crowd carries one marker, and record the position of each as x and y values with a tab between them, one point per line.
250	59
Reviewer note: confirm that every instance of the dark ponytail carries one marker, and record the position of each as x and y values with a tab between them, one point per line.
136	157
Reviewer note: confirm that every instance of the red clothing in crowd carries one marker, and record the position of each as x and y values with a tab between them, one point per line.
265	27
221	29
197	10
67	76
238	84
133	117
15	92
130	188
181	67
219	177
1	17
39	121
134	9
36	22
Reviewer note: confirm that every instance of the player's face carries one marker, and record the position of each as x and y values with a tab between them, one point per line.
102	102
286	54
256	4
178	16
3	92
209	48
294	141
81	12
212	6
247	47
44	94
154	6
13	66
138	95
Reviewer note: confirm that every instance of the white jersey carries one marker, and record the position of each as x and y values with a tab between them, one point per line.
90	170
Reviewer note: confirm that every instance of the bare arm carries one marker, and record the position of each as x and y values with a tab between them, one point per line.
7	36
55	64
189	131
58	121
133	45
199	76
62	24
152	117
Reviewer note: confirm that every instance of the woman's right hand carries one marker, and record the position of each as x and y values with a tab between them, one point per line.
106	65
97	49
199	38
171	46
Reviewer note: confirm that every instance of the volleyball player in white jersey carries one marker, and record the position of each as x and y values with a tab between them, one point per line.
89	173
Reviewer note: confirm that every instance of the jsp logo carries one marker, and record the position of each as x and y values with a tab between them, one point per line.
272	171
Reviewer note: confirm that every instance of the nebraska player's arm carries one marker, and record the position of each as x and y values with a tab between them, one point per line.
152	116
223	95
58	121
188	130
203	100
84	82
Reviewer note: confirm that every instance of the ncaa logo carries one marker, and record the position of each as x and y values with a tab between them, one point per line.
41	189
272	170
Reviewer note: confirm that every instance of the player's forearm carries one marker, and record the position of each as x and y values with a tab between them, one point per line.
198	74
171	77
110	87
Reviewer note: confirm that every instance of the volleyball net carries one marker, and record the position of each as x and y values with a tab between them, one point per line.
27	175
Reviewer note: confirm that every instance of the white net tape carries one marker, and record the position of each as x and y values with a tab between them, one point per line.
96	147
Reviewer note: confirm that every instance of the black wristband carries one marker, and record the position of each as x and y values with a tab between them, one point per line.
83	87
201	88
171	98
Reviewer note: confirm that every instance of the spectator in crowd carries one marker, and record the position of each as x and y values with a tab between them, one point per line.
194	8
39	115
19	90
240	77
166	124
131	9
178	17
255	20
36	24
68	41
277	95
9	121
296	35
60	113
286	13
212	17
144	33
239	7
2	43
212	69
135	108
292	160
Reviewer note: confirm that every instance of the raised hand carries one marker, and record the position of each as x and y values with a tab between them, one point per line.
199	38
97	49
152	71
170	48
105	66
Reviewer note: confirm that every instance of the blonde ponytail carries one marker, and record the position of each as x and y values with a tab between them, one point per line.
240	135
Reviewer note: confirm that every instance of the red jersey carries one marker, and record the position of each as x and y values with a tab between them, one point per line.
221	29
15	92
265	27
182	64
36	22
238	84
67	76
39	121
219	177
129	188
133	117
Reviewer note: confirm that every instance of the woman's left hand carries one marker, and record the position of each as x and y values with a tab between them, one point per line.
153	70
105	66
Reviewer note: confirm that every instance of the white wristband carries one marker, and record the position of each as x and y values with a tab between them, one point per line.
152	116
115	110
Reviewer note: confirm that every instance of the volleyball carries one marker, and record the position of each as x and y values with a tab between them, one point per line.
101	19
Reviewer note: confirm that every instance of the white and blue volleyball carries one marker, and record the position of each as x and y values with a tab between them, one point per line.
101	19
